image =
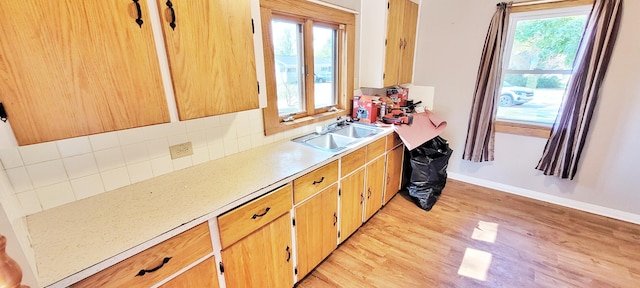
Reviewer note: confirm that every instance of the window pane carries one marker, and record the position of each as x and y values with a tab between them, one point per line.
543	50
540	104
287	46
324	62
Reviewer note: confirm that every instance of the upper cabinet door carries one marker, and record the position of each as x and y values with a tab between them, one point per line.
395	42
72	68
410	24
211	56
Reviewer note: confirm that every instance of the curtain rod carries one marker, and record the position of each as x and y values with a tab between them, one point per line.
531	2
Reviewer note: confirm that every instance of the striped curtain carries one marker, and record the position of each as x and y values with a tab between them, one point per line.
480	132
569	132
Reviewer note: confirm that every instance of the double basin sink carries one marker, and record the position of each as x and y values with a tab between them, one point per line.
338	138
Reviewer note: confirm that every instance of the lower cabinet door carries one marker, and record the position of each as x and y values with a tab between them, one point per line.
201	275
375	186
351	203
394	172
262	259
316	229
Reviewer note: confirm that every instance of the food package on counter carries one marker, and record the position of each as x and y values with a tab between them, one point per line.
398	95
365	109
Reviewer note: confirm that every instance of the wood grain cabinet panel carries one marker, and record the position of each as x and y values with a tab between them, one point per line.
393	140
316	229
314	181
180	250
211	56
247	218
410	26
201	275
394	42
352	161
262	259
394	172
73	68
375	186
375	149
351	203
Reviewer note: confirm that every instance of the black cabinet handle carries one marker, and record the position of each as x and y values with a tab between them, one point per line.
335	218
173	15
318	182
3	113
143	271
139	20
262	214
288	254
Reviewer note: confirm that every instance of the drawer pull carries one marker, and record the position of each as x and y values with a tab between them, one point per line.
261	214
139	19
143	271
173	15
288	254
335	218
318	182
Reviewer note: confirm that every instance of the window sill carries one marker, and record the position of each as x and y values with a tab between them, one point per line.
284	126
521	128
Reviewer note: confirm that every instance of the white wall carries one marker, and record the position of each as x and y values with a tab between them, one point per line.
451	38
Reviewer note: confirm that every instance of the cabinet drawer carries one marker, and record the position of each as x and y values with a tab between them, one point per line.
375	149
393	140
353	161
315	181
240	222
180	250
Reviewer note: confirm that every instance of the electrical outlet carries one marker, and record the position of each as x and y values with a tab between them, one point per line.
181	150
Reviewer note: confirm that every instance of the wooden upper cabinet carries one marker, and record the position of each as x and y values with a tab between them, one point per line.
211	56
410	26
73	68
394	43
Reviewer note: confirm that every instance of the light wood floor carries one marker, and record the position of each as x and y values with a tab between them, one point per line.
494	238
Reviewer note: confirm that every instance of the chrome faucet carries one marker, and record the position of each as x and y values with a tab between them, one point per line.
341	121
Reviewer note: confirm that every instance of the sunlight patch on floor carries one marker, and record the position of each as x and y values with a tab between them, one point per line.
485	231
475	264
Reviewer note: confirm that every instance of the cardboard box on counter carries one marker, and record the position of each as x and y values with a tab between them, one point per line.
365	109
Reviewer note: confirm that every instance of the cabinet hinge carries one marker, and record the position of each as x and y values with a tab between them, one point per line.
221	267
253	27
294	221
340	192
385	42
295	271
388	5
338	234
258	87
384	75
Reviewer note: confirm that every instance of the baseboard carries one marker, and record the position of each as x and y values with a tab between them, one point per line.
587	207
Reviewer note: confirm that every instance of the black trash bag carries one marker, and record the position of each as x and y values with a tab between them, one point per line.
429	163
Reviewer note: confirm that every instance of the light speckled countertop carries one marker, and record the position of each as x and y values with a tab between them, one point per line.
87	233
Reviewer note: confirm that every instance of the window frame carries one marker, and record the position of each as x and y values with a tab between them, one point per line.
321	15
534	129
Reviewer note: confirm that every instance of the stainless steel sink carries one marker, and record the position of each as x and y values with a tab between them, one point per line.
338	138
357	131
328	142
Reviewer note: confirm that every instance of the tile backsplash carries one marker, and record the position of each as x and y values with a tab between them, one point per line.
54	173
